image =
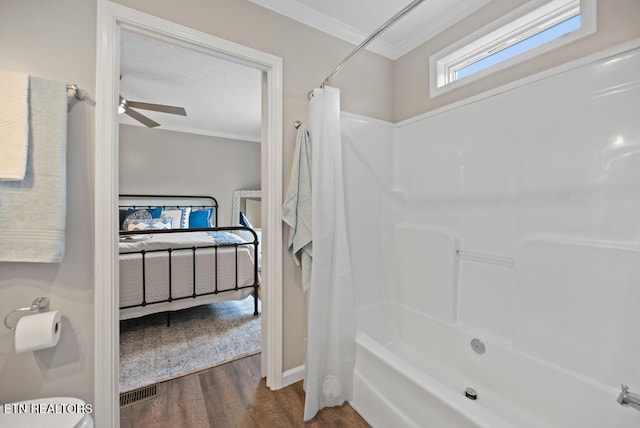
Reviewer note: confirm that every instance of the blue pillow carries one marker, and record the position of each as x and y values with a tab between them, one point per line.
244	221
122	216
200	218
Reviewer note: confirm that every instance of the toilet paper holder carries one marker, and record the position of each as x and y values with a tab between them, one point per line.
38	304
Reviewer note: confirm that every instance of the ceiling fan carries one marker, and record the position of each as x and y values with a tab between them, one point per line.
127	107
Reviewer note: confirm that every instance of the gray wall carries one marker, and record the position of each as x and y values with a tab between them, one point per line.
617	21
55	40
155	161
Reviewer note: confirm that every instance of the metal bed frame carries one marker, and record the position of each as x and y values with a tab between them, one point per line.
213	204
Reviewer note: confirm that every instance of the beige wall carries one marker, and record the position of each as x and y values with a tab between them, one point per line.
617	21
159	162
55	40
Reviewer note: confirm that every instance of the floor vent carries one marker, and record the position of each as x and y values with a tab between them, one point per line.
144	393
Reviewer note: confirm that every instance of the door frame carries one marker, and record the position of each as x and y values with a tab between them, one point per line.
111	17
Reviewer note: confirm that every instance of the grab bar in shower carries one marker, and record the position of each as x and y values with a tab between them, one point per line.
486	258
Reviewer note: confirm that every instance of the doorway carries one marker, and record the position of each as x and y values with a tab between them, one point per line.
112	18
189	124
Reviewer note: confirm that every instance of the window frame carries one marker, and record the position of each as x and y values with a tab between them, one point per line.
526	21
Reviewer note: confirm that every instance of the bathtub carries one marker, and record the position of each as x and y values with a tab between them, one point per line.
412	371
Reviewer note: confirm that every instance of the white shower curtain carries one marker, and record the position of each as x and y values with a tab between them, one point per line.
331	310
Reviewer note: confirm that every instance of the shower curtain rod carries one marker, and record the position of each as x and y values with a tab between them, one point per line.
369	39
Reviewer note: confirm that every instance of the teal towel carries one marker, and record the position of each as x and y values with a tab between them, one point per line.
33	211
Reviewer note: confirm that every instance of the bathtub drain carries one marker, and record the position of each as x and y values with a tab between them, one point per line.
478	346
471	394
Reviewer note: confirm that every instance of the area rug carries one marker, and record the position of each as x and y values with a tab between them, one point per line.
198	338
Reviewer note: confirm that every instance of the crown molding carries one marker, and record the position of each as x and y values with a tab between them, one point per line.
252	138
322	22
318	20
444	22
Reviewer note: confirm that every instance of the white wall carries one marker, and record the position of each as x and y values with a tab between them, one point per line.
368	175
55	40
155	161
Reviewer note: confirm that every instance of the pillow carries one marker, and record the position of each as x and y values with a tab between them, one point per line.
122	215
222	238
132	215
180	217
200	218
244	221
148	223
139	213
245	235
135	215
155	211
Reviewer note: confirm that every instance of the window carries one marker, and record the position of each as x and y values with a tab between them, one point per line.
530	30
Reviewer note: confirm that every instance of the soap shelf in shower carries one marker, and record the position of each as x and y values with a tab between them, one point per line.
486	258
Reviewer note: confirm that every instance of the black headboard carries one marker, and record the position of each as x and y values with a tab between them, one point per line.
169	201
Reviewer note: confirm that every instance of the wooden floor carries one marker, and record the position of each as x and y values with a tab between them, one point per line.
229	396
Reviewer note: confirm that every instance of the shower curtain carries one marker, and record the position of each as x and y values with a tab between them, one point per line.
331	311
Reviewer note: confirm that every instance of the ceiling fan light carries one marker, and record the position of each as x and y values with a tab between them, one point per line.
122	106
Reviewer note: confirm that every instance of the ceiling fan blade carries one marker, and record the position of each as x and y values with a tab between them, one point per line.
141	118
158	107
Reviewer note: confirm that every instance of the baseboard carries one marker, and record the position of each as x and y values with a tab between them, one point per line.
292	376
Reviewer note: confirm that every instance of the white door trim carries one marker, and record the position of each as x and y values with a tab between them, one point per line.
110	19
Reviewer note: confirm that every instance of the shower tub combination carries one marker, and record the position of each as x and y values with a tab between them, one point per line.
413	371
514	245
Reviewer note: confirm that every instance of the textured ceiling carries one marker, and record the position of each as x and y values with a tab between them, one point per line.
221	98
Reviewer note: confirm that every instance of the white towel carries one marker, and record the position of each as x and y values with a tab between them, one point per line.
33	211
296	210
14	129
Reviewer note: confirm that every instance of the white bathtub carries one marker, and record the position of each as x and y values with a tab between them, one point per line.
412	371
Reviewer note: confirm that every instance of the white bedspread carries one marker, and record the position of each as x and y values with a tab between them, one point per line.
182	257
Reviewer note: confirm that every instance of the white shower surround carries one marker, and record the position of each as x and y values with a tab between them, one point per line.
541	180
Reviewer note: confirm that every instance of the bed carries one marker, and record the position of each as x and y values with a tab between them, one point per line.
173	255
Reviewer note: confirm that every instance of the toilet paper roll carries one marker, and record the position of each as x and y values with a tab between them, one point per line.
39	331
